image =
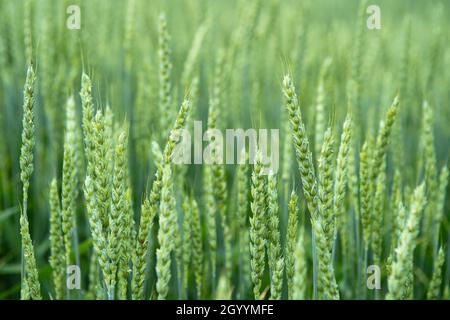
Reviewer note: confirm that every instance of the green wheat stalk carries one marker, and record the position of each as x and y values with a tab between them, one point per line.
29	273
166	234
276	260
197	248
57	254
299	281
290	253
436	279
398	281
257	232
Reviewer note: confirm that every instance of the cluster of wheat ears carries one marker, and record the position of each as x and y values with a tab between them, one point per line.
358	209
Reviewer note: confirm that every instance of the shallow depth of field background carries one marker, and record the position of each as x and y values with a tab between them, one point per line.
117	46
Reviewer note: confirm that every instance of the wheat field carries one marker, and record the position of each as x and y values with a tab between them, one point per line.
94	93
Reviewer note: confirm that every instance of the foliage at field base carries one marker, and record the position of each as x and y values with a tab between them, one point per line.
87	118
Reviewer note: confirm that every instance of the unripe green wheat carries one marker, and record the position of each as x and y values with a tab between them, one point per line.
436	279
31	273
109	139
30	278
217	169
377	218
340	177
148	213
396	199
69	192
210	214
118	218
242	217
147	216
166	234
325	174
299	281
99	239
57	254
88	122
287	155
197	248
180	122
309	184
290	252
383	138
102	185
327	280
378	199
430	170
353	188
301	145
165	67
365	190
377	166
220	194
28	139
257	232
127	224
187	240
398	281
276	260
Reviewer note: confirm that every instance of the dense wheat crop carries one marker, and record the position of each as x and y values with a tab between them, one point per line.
95	205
